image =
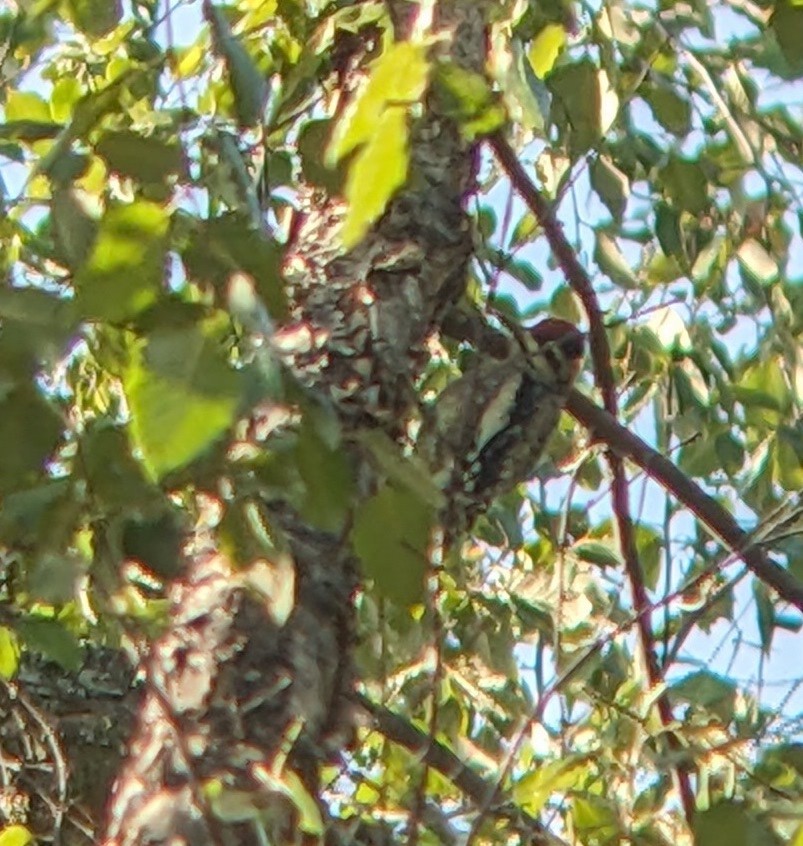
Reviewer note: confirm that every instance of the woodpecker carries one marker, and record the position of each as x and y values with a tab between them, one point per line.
492	424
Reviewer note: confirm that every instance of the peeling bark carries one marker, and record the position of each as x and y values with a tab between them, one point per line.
230	691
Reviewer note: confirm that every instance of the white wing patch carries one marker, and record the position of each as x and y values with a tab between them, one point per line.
497	413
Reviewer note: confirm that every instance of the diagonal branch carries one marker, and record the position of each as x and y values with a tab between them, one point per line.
483	793
718	521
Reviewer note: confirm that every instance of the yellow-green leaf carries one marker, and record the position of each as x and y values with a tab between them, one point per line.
15	835
398	77
533	791
25	105
378	170
546	48
9	653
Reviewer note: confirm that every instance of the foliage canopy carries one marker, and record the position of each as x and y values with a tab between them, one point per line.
610	656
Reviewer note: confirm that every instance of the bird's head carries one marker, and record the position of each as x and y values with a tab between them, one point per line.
555	336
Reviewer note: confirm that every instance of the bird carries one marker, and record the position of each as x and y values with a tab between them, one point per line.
490	426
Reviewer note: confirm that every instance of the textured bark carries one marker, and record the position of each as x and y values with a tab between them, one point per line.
62	736
230	689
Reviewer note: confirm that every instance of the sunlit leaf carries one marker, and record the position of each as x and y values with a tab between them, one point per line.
756	261
378	170
546	48
398	78
124	272
9	653
183	394
533	791
16	835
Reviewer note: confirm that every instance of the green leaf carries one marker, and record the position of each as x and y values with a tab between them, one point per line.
764	393
577	104
74	229
524	230
523	271
466	97
247	81
706	691
649	546
326	474
526	98
594	819
765	615
52	639
222	246
310	820
66	93
408	472
183	394
94	17
731	822
786	24
699	458
49	321
757	262
788	458
378	170
390	535
686	184
9	653
612	262
533	790
26	106
668	231
611	184
155	541
26	515
564	304
123	275
597	553
398	78
115	478
670	109
34	428
29	130
146	159
312	141
730	453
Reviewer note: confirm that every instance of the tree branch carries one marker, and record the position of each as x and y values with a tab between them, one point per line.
620	439
484	794
603	375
